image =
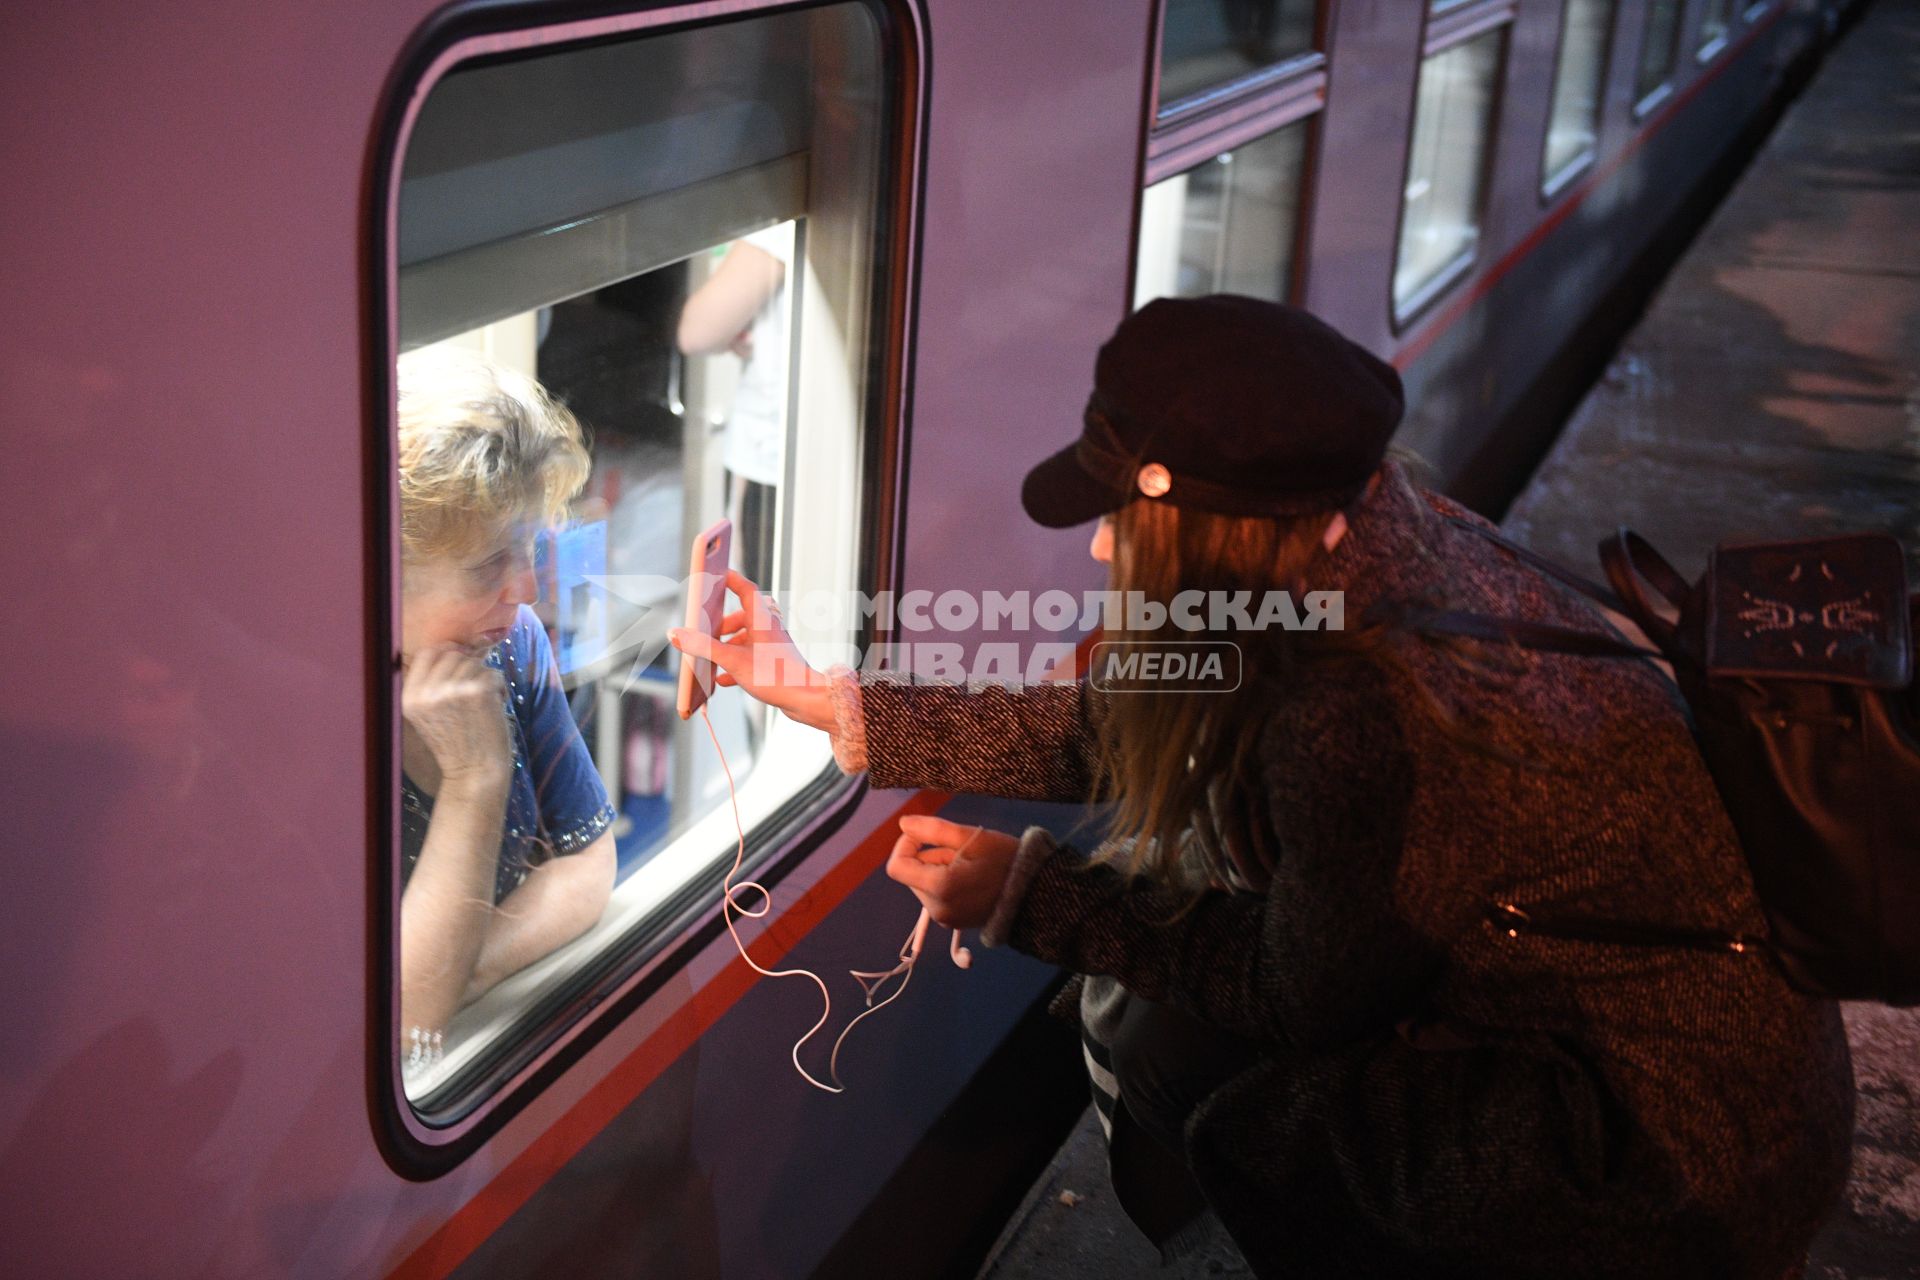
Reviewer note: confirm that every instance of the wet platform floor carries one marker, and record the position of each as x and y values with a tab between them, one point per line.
1772	390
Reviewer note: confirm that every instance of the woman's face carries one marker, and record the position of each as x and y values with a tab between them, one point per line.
1102	548
469	599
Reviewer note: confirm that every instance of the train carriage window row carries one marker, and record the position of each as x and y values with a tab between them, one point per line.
680	237
1238	89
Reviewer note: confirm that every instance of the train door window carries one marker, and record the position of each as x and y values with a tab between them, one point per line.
642	284
1579	82
1227	225
1222	208
1207	45
1447	162
1715	21
1659	51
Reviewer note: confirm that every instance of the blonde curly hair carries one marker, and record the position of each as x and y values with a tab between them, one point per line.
481	447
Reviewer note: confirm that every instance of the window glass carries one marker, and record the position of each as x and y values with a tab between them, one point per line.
1209	42
1227	225
1573	127
634	289
1446	168
1660	41
1714	22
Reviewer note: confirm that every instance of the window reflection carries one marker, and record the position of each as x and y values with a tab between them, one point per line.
1453	121
1206	43
1227	225
1573	126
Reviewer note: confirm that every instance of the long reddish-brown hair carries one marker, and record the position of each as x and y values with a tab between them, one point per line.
1183	768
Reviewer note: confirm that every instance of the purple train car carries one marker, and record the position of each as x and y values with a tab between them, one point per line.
229	227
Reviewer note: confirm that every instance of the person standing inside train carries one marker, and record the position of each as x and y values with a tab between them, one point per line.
1301	1007
507	844
742	308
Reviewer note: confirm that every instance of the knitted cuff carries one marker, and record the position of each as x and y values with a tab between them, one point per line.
1036	846
849	726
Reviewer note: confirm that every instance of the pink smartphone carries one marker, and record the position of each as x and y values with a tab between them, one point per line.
706	605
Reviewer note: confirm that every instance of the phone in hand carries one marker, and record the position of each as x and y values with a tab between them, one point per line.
706	605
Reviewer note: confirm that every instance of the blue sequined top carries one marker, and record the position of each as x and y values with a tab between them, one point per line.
557	804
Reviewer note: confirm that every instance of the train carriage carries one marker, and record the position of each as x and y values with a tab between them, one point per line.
228	223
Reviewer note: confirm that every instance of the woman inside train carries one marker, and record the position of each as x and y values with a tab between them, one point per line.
507	844
1306	1003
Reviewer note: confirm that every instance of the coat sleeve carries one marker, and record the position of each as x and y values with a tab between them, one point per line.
1028	742
1324	952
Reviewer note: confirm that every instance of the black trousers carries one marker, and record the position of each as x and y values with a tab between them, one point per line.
1166	1062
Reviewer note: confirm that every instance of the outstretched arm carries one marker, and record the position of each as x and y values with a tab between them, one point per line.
719	311
1027	742
1323	944
1032	742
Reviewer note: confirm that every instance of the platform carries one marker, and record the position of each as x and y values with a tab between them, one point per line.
1772	390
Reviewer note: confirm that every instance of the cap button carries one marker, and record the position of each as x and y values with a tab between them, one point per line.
1154	480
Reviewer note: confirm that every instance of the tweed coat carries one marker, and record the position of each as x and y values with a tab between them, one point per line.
1437	1097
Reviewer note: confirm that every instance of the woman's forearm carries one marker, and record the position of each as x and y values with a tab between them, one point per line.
448	900
558	901
1030	742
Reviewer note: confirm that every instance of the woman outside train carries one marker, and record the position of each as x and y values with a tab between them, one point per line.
1304	1000
507	844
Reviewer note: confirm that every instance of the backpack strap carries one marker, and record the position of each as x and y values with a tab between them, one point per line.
1585	586
1528	635
1631	564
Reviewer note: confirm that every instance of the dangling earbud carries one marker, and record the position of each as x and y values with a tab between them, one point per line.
961	956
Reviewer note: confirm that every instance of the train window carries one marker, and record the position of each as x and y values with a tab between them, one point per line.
1573	123
1446	169
1659	50
1227	225
1715	21
1226	170
1206	44
639	289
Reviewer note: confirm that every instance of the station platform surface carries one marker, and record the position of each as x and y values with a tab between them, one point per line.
1771	390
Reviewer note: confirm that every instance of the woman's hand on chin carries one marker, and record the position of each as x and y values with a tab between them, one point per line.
755	653
955	870
456	703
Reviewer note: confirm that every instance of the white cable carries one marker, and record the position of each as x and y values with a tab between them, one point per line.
870	982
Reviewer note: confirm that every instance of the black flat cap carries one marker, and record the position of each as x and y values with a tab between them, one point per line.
1226	404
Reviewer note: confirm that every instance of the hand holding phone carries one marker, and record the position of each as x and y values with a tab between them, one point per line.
706	604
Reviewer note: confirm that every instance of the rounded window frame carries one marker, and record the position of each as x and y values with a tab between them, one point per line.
421	1147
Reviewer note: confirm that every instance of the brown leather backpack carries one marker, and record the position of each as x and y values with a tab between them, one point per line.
1796	661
